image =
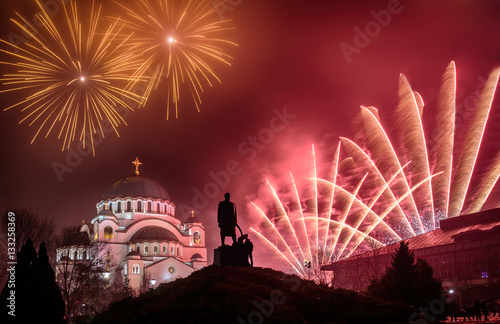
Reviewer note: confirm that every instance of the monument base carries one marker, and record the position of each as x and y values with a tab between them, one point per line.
235	255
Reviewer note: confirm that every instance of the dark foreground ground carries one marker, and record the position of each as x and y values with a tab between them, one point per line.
250	295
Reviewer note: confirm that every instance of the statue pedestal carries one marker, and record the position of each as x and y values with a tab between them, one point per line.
235	255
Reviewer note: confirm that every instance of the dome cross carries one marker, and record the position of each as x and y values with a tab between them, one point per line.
136	163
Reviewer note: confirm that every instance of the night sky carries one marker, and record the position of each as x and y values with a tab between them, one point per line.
289	55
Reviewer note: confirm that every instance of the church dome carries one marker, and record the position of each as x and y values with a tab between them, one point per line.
136	186
153	234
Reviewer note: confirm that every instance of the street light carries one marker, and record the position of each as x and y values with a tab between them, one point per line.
153	282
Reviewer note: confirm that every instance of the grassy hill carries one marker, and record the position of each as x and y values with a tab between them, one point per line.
249	295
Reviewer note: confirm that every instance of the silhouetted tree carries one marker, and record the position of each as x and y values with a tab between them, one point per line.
37	297
79	274
27	225
404	279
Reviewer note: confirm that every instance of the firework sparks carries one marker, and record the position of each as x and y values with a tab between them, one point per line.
178	44
72	73
398	189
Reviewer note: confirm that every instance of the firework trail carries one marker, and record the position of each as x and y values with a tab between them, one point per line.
381	191
178	41
72	73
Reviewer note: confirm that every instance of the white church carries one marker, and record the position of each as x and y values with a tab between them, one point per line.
135	222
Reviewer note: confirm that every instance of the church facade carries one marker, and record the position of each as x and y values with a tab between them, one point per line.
142	238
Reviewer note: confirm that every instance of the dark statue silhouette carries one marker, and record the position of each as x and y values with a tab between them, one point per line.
227	219
240	253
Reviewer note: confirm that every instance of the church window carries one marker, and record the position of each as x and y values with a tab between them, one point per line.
171	269
158	208
110	206
125	269
84	255
164	249
178	251
118	207
146	249
196	237
155	249
149	207
108	232
166	209
138	250
135	269
139	206
172	250
129	206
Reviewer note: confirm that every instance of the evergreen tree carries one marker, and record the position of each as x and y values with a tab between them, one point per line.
37	297
411	282
54	304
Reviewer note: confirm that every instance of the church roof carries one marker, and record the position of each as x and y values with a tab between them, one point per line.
153	234
106	212
136	186
196	256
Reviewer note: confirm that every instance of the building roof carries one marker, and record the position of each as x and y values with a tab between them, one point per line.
153	234
136	186
451	230
196	256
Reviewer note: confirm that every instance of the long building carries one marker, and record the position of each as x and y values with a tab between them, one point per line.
464	253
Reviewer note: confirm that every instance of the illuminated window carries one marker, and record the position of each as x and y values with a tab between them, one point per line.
108	232
146	249
139	206
155	249
171	269
150	207
164	249
129	206
196	237
135	269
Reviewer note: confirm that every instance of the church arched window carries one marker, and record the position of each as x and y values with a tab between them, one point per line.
84	255
178	251
155	249
138	250
158	210
139	206
108	232
150	207
129	206
146	249
196	237
110	206
164	249
172	250
135	269
119	207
